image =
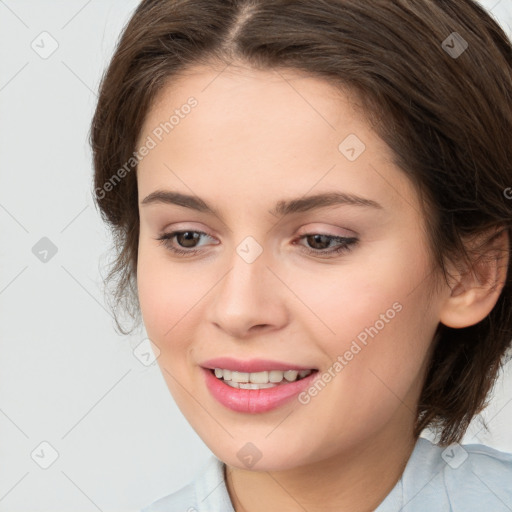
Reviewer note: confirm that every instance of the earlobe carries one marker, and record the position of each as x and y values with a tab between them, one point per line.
476	291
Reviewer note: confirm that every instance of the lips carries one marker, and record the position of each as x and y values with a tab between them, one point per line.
252	365
254	401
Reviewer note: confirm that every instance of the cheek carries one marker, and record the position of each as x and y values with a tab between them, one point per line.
166	293
166	296
345	301
385	370
380	324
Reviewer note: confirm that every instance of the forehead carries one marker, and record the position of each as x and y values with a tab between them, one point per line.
239	78
280	127
269	96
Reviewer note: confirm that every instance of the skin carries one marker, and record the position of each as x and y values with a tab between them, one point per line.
255	138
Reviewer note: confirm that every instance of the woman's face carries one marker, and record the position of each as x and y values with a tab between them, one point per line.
251	150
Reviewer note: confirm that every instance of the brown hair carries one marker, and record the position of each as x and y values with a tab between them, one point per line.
447	117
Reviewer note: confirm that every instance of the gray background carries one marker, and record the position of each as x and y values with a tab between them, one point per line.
66	377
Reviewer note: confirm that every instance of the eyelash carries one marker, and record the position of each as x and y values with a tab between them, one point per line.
346	244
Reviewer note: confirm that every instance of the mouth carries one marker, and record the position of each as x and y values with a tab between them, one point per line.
259	380
257	391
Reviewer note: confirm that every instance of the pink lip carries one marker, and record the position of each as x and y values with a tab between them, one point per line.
251	366
254	400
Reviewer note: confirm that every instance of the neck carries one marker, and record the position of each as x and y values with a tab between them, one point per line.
355	480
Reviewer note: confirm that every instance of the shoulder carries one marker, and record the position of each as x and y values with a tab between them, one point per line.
462	477
465	459
482	469
206	492
184	499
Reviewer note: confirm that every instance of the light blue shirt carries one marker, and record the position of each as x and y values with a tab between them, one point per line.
460	478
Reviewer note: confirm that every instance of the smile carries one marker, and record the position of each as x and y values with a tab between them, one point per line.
240	394
259	380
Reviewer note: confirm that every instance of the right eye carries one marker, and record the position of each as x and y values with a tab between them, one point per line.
185	239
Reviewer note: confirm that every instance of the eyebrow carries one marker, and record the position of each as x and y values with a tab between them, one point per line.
281	208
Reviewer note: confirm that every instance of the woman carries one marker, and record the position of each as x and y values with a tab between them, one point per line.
310	204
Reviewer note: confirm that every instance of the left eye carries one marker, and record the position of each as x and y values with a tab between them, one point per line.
344	244
187	240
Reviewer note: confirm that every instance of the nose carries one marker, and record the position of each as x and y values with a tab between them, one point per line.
249	298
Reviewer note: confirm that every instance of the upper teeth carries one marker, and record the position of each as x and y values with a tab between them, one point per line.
260	377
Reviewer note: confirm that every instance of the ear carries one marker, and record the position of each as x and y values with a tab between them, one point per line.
476	291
